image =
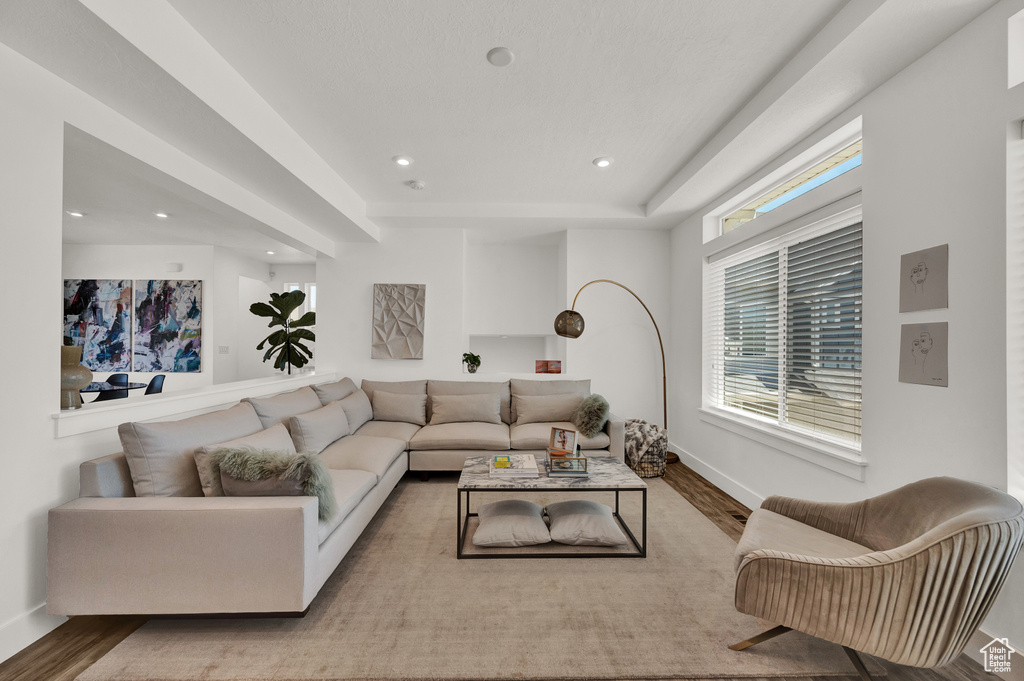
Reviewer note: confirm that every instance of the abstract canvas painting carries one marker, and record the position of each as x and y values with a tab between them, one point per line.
168	325
397	326
97	316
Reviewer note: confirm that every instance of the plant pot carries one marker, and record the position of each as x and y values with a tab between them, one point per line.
472	368
73	376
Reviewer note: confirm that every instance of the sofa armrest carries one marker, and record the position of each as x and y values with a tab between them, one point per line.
616	429
177	555
107	476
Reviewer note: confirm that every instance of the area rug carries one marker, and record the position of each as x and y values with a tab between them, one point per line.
401	607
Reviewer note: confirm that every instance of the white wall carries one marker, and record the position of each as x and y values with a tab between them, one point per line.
619	347
933	173
251	330
511	288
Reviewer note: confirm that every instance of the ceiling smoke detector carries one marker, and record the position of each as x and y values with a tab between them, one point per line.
415	184
500	56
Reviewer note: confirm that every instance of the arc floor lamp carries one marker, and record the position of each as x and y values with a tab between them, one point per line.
569	324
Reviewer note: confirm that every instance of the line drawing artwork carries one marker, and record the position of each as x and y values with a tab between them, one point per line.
924	279
924	354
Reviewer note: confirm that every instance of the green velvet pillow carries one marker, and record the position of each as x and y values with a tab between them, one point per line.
263	472
590	417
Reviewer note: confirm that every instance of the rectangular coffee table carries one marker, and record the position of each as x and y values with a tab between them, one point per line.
606	475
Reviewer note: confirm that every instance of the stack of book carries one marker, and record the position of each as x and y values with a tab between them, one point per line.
513	466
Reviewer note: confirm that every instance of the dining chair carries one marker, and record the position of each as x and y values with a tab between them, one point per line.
117	379
156	385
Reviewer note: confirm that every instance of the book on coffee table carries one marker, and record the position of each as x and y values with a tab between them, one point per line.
513	466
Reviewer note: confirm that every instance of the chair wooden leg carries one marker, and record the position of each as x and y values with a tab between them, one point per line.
760	638
858	663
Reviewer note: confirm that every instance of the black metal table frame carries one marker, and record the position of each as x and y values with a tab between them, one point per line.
462	524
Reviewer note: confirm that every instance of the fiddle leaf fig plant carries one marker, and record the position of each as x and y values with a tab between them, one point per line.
286	342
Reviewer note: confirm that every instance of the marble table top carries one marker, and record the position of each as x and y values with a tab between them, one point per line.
605	473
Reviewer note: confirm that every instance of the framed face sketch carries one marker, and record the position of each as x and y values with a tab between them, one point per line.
924	354
924	279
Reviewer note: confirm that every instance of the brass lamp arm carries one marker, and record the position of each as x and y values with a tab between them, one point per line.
664	380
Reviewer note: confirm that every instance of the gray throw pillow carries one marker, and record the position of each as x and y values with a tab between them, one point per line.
357	409
398	407
314	430
590	417
480	408
546	408
584	523
261	472
511	523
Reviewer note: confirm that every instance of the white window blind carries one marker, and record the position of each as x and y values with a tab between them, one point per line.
783	333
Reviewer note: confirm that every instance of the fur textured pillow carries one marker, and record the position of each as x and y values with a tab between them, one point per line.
297	474
591	415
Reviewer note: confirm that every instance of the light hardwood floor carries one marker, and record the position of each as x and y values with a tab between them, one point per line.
70	649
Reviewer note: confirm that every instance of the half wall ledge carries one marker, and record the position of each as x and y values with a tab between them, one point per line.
177	404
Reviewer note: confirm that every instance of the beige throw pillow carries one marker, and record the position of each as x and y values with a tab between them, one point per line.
160	455
398	407
332	392
357	409
546	408
314	430
273	438
279	408
482	408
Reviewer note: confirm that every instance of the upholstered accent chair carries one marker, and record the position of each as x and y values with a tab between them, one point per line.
906	576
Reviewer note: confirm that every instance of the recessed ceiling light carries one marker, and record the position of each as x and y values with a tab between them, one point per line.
75	213
162	216
270	253
402	160
500	56
603	161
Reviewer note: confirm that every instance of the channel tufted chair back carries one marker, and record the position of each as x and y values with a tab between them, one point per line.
906	576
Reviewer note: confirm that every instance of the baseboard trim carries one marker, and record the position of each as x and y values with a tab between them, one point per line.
723	482
26	629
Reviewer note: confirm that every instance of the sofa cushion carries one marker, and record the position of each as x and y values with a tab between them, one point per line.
332	392
398	407
314	430
273	438
545	408
580	522
486	436
400	387
393	429
160	455
525	386
357	409
512	522
500	388
359	452
482	408
280	408
538	435
770	530
350	486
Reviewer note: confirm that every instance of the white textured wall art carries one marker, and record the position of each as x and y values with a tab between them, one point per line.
397	329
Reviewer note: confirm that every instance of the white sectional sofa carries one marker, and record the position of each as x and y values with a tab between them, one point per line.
148	535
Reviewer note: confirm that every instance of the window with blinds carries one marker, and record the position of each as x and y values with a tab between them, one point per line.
784	333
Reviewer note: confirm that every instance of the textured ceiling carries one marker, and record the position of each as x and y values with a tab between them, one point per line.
644	82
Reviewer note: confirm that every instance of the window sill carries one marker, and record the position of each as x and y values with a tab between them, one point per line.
175	404
842	460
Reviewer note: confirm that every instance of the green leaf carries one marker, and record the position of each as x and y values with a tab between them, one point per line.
308	319
304	334
262	310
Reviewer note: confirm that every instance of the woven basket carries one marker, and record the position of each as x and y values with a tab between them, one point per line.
652	463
